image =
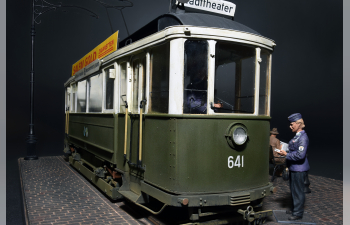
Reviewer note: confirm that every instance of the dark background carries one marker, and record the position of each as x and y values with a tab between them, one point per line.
307	72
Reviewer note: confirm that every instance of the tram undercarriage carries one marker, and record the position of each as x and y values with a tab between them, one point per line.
218	208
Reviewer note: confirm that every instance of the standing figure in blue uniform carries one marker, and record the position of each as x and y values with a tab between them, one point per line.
298	164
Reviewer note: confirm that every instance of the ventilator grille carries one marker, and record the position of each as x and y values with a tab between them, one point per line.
240	200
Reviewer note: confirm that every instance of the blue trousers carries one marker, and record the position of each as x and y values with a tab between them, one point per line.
297	189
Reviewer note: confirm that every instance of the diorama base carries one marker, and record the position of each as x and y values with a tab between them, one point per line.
282	217
54	192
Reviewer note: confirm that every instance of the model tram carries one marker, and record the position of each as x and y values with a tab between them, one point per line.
179	114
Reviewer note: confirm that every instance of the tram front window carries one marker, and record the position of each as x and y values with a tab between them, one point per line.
264	82
234	78
195	77
159	79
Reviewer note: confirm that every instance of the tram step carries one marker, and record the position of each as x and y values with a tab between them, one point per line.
130	195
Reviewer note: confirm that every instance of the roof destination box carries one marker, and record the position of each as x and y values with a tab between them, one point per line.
223	8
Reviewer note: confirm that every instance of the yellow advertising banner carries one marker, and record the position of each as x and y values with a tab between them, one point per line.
102	50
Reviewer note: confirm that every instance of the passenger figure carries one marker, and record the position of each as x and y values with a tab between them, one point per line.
197	94
276	144
298	165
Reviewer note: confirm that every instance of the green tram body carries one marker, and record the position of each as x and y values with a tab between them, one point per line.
187	160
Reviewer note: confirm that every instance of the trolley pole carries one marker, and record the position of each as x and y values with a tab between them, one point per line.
31	139
39	9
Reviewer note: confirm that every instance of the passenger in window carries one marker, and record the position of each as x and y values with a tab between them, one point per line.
197	93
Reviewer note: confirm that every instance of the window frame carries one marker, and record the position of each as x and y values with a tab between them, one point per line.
73	101
141	92
67	104
183	77
86	96
268	82
119	85
88	91
211	81
113	66
149	76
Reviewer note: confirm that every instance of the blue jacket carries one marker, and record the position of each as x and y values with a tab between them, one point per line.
296	158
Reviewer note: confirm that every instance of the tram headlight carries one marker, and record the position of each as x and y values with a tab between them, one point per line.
239	136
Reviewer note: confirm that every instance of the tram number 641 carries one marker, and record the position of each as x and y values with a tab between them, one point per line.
231	162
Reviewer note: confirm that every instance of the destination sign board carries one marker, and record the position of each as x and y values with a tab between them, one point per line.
102	50
212	6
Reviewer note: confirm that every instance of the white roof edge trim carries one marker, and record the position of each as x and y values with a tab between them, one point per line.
178	29
196	32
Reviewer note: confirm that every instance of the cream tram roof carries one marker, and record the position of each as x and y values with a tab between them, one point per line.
191	19
148	32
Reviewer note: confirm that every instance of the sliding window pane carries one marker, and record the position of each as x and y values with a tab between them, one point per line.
95	99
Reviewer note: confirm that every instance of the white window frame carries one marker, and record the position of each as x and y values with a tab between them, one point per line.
268	84
269	87
140	58
176	75
74	91
141	79
104	88
117	88
131	106
147	77
211	75
211	80
67	96
119	84
257	80
87	93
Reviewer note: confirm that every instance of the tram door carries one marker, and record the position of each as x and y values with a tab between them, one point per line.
136	134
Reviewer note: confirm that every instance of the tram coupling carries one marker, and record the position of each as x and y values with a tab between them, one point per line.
257	217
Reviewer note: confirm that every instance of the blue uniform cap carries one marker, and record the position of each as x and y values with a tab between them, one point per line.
294	117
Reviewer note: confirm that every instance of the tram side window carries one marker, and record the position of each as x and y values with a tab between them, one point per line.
139	82
264	78
109	89
123	87
144	79
68	94
196	77
159	80
81	96
234	78
135	85
95	91
74	94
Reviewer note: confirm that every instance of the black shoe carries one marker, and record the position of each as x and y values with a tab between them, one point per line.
289	212
295	218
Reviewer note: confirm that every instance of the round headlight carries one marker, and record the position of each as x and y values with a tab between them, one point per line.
239	136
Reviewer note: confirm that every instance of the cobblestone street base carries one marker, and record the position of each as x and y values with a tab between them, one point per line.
282	217
55	193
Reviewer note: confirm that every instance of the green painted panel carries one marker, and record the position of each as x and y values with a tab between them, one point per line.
159	154
183	154
121	165
98	137
100	119
190	155
118	156
203	156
